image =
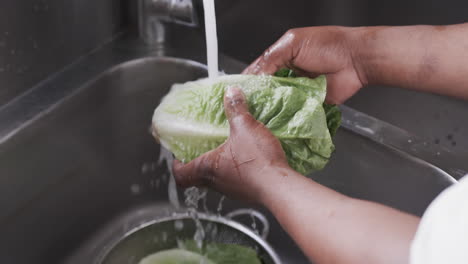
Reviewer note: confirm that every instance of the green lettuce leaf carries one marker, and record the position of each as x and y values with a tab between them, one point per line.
332	112
190	120
224	253
176	256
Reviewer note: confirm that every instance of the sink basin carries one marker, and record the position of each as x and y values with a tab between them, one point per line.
87	162
75	175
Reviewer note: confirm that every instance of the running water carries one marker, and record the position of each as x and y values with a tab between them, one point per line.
193	195
211	38
220	205
166	156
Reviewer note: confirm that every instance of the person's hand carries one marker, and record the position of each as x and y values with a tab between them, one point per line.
241	166
312	51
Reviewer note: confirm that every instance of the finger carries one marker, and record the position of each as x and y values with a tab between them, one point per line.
234	102
251	69
194	173
280	54
237	110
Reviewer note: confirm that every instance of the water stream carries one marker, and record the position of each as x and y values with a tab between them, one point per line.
165	156
211	38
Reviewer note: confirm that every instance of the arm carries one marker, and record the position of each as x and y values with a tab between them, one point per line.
328	226
333	228
424	58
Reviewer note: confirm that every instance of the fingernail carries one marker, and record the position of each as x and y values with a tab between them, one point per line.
232	92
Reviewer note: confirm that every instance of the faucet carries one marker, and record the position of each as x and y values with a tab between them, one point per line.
152	15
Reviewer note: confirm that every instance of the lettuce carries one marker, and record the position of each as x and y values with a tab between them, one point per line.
332	112
176	256
190	120
224	253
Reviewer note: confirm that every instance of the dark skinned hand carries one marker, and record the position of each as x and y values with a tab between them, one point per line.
240	166
313	51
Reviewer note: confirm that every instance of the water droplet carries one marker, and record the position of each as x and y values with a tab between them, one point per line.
179	225
220	205
164	177
145	168
193	195
13	52
199	235
2	43
438	153
410	141
6	33
135	189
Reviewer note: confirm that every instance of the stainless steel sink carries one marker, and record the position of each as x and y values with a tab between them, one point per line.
80	166
72	152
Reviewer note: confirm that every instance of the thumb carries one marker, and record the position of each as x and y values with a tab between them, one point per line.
234	102
236	108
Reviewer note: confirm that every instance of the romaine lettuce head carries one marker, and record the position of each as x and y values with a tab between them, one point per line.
191	121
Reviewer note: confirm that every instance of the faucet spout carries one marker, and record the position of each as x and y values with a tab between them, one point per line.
153	14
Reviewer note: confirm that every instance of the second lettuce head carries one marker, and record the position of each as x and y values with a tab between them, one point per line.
191	121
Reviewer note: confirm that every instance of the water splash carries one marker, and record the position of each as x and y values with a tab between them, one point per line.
220	205
254	224
165	156
199	235
193	195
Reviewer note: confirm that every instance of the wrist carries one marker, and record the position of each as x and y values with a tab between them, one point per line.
362	47
277	177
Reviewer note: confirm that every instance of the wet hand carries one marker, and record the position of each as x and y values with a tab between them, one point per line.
241	166
313	51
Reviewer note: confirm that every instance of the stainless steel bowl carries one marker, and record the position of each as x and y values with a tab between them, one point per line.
165	232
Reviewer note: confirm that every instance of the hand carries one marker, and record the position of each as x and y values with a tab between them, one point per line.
240	167
312	51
